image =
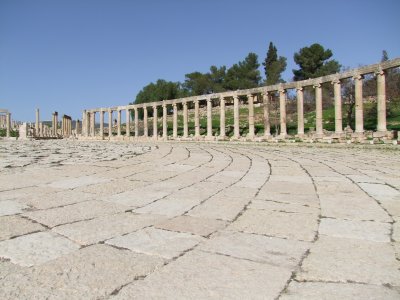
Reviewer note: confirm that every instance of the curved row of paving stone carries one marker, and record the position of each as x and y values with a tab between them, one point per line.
199	221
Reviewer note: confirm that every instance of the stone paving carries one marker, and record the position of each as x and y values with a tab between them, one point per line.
98	220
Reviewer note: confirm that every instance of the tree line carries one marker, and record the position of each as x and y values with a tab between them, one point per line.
313	61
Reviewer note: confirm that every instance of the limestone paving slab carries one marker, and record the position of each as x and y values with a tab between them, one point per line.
337	291
153	241
90	273
75	212
199	226
13	226
36	248
299	226
106	227
169	206
137	197
363	230
199	275
11	207
273	251
342	260
71	183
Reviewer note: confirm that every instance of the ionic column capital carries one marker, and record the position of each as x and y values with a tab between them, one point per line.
336	81
379	72
299	88
249	95
282	91
317	85
154	106
174	104
358	77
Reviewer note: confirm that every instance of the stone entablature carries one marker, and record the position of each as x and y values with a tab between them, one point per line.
260	94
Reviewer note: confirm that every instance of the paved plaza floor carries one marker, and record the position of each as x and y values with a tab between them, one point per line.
101	220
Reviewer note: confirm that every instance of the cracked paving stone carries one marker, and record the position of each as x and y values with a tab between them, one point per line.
153	241
299	226
343	260
36	248
71	183
90	273
11	207
106	227
371	231
273	251
75	212
337	291
12	226
198	226
199	275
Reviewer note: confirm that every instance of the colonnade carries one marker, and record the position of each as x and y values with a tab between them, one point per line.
7	121
66	126
262	95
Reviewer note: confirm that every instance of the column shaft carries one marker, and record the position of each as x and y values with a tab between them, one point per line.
128	122
110	122
164	124
236	132
37	122
250	101
185	120
300	111
282	112
338	106
8	124
101	124
136	122
119	122
358	95
196	119
222	117
175	122
155	117
145	127
318	110
381	101
209	118
267	125
93	119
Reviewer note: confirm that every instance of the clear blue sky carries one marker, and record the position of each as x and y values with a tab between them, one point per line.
68	55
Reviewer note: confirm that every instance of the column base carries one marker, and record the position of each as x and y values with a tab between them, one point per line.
209	138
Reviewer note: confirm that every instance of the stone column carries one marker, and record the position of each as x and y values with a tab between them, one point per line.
53	125
338	106
222	133
175	121
118	122
250	101
155	117
381	101
128	122
236	132
8	124
87	124
136	122
78	127
300	111
145	127
164	122
282	112
110	122
185	120
267	125
318	110
37	123
93	119
209	118
196	119
63	126
101	124
358	95
84	132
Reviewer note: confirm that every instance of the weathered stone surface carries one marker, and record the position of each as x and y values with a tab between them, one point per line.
11	207
199	226
169	206
297	226
75	212
198	275
93	272
371	231
273	251
337	291
106	227
136	198
71	183
36	248
343	260
152	241
13	226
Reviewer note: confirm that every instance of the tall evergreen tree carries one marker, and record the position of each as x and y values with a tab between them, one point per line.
273	65
313	62
243	75
385	56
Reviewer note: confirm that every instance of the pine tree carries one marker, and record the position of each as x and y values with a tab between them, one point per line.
273	65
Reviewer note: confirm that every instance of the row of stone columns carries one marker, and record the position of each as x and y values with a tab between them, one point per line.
66	126
381	126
